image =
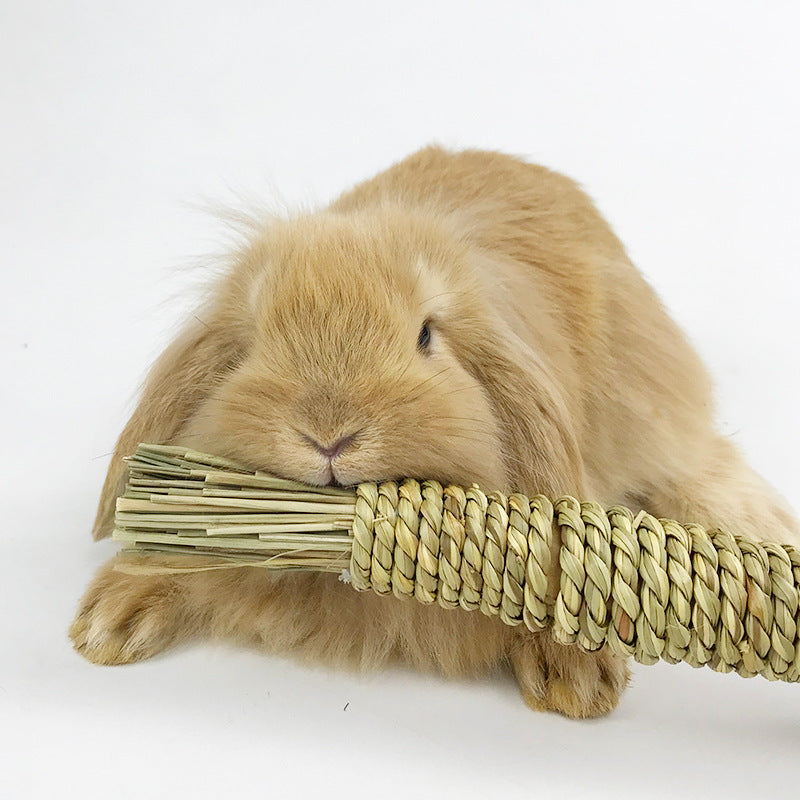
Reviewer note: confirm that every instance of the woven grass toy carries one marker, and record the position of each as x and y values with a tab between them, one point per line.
643	587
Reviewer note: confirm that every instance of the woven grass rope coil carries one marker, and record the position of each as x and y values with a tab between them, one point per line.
642	587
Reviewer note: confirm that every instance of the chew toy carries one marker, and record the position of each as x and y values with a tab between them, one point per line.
643	587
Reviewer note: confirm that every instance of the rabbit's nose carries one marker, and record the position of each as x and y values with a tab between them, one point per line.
333	450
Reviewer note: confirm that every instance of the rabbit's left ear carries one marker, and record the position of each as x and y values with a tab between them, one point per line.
540	438
178	382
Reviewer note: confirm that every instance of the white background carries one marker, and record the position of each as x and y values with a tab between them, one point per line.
118	119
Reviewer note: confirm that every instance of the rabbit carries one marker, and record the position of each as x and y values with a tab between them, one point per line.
463	316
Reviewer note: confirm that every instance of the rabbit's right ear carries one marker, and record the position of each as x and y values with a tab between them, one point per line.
178	382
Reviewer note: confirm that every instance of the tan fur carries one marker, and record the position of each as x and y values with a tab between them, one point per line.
553	367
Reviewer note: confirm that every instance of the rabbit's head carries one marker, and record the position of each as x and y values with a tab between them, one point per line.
362	346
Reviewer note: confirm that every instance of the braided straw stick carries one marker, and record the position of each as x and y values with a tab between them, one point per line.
642	587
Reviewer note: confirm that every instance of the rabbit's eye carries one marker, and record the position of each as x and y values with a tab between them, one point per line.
424	338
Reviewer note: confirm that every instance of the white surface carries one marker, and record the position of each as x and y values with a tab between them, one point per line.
117	116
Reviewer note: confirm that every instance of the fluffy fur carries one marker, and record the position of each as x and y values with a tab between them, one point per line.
552	367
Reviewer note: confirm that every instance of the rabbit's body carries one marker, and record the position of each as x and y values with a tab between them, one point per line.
466	317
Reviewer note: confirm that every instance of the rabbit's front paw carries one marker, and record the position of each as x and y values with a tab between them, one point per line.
566	679
124	618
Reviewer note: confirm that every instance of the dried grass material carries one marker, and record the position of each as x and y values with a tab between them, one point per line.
179	500
639	586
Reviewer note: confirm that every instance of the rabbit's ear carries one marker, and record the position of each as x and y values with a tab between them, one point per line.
178	382
540	438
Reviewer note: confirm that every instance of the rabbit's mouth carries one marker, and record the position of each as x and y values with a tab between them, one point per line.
330	479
